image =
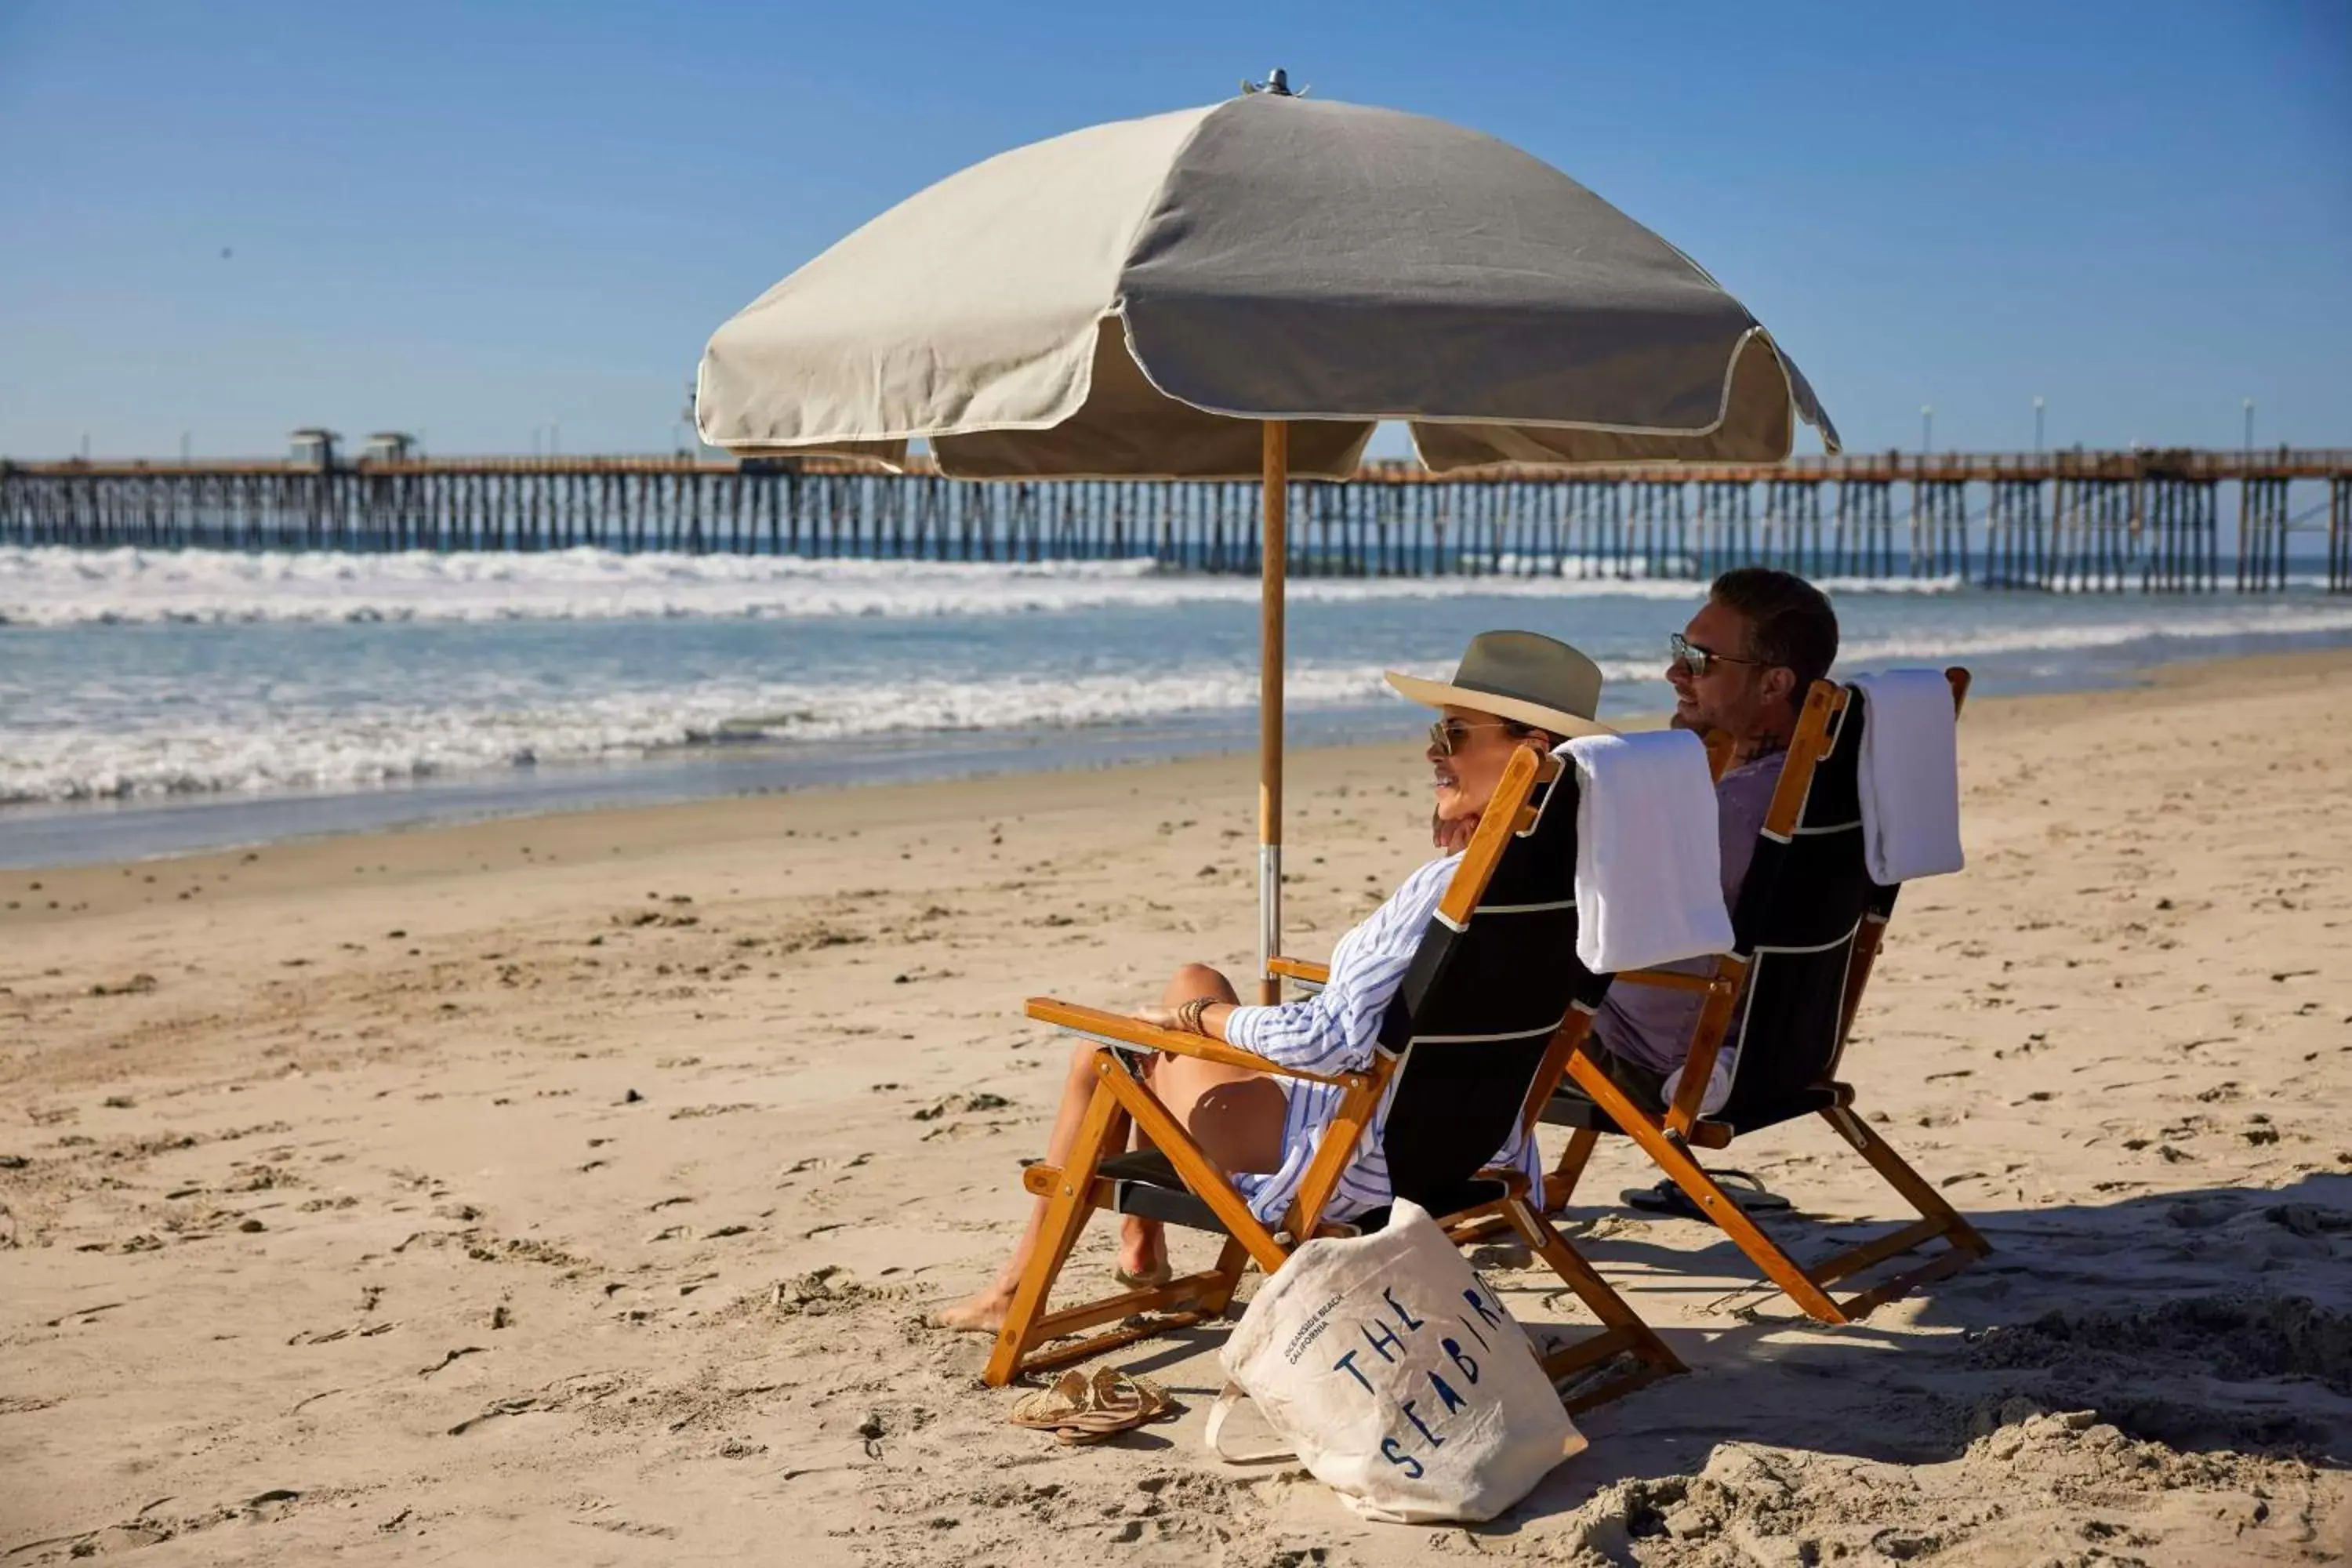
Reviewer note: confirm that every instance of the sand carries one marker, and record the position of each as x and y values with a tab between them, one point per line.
569	1190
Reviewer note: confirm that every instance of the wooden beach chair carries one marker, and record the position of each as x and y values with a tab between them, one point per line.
1479	1034
1807	930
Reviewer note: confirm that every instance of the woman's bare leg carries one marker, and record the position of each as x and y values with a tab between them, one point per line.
984	1310
1235	1115
1143	1243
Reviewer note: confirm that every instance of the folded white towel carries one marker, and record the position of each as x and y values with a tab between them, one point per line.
1910	772
1649	860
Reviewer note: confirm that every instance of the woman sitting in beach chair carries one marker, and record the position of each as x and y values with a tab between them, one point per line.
1513	690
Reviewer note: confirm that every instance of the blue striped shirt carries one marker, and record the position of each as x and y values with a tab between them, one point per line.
1336	1031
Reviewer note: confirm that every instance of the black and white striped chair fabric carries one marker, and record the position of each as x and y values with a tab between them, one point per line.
1805	899
1468	1028
1803	903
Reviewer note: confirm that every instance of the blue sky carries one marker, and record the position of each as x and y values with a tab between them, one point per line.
492	222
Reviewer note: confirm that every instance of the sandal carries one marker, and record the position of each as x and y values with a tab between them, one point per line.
1667	1198
1148	1280
1078	1409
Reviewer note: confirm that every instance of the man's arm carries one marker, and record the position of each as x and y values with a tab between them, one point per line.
1741	801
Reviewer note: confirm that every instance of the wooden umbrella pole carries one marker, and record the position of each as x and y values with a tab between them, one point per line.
1274	565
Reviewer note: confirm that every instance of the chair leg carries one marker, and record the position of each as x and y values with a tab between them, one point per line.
1231	1260
1914	1188
1724	1211
1066	1212
1074	1193
1674	1158
1597	1294
1622	1329
1560	1185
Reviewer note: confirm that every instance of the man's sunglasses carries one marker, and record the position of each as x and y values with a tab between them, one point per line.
1696	660
1447	733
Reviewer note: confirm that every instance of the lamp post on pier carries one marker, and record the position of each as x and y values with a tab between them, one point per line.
2037	424
1927	428
2250	427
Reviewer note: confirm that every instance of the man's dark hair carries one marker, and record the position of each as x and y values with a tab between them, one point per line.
1789	621
1519	731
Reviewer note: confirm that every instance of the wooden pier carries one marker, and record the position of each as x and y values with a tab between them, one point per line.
2083	521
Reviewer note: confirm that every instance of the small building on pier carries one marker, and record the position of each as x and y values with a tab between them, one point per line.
314	447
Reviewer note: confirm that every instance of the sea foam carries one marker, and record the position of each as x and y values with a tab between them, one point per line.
52	586
193	705
276	739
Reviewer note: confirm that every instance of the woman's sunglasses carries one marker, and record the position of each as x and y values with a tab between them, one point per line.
1696	660
1447	733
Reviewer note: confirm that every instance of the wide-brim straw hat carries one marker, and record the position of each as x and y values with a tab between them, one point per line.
1525	676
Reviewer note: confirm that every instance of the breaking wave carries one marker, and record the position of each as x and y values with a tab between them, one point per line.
53	586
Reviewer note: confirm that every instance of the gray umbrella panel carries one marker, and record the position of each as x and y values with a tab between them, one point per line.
1132	299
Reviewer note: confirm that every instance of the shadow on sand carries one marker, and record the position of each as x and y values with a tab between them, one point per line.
2216	1322
2209	1318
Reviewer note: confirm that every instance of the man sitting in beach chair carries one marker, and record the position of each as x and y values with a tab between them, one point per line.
1868	798
1740	671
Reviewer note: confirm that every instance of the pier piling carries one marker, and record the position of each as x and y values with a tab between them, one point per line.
2072	521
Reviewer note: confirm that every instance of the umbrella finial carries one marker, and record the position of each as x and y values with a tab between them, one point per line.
1276	84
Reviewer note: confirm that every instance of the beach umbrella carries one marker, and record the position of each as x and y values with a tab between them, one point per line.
1243	291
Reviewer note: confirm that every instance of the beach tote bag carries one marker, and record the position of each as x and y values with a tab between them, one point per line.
1394	1374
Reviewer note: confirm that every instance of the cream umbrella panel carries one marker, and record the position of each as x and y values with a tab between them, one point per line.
1247	289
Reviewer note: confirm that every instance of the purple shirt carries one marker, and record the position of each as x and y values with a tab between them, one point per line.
1649	1025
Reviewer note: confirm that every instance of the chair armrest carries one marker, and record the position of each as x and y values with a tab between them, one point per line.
1666	979
1706	1043
1300	970
1118	1029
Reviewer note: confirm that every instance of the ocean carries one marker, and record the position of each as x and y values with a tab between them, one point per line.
162	702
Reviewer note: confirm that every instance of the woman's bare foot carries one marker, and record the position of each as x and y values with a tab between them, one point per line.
982	1312
1142	1252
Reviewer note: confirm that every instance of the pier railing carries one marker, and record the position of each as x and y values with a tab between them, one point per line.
2063	521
